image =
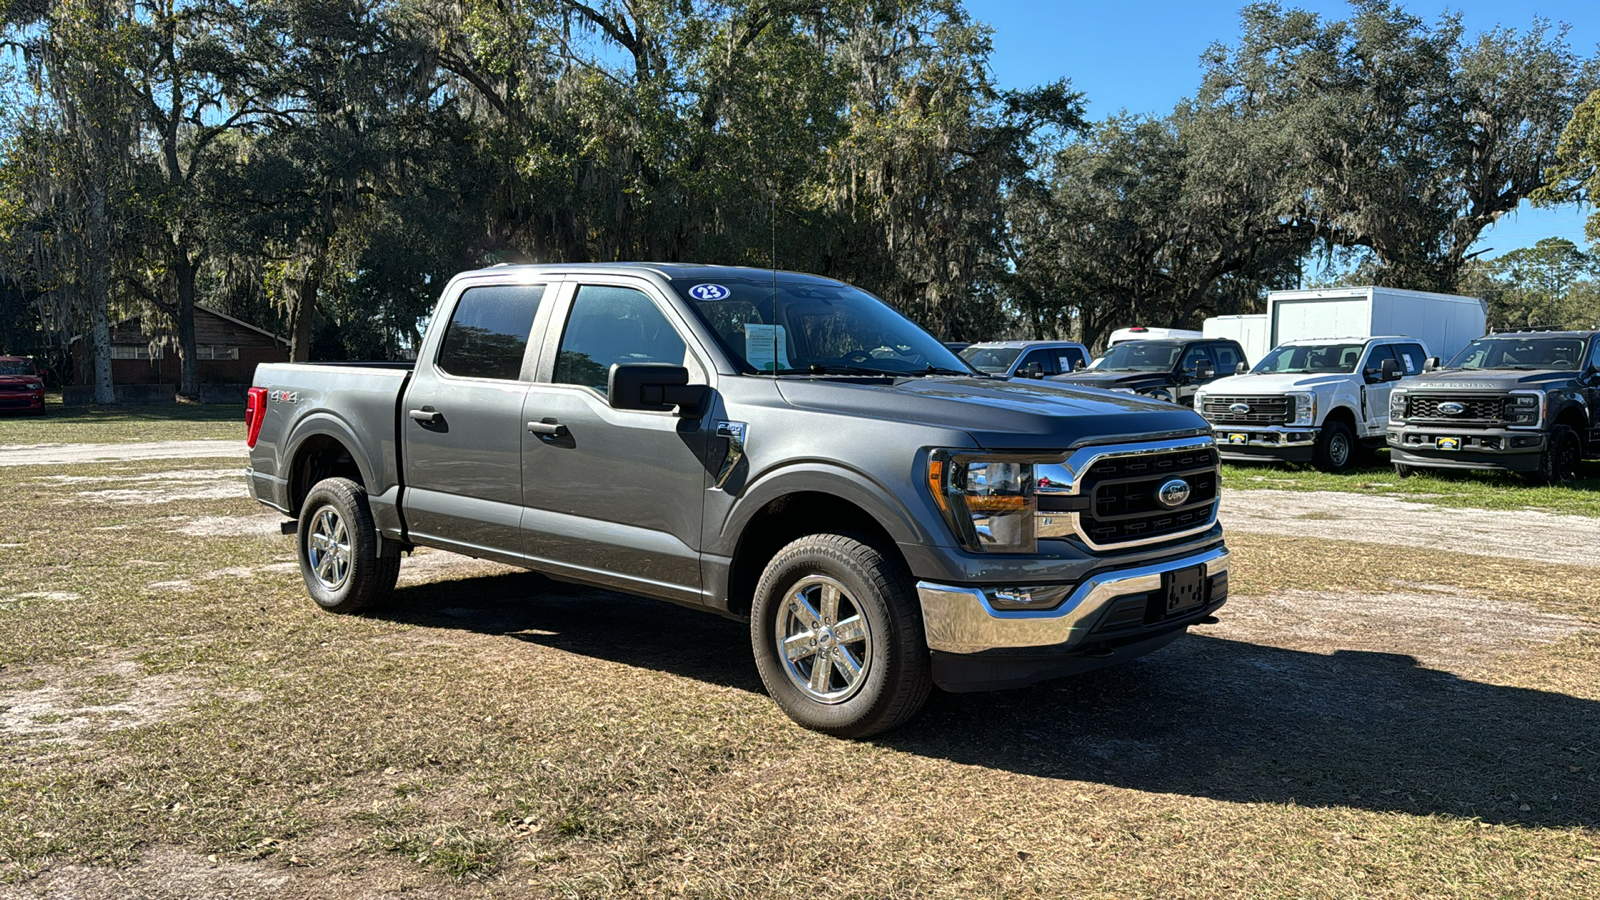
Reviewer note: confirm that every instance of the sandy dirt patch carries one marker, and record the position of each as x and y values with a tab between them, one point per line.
71	706
1336	516
165	872
73	454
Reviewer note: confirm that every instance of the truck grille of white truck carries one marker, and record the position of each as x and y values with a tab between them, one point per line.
1474	408
1258	410
1125	506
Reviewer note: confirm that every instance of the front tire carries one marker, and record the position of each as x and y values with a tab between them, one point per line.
1558	464
1336	448
1401	470
838	638
338	549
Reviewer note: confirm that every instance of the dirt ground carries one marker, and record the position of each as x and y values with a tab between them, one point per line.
177	721
72	454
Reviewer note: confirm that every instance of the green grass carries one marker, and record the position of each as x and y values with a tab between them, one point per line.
124	424
1480	490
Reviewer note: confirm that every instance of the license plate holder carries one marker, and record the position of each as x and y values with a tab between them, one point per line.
1447	443
1185	589
1236	437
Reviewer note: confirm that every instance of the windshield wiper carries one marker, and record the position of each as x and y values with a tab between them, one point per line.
937	370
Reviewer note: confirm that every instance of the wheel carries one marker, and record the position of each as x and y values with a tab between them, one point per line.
1558	464
1336	448
837	635
338	549
1401	470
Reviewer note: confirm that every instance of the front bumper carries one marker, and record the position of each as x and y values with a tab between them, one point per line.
28	402
1289	443
1112	616
1496	449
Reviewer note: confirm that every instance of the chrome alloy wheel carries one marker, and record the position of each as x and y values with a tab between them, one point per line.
825	641
328	548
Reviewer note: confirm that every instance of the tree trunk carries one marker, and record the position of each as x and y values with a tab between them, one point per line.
184	275
100	285
303	317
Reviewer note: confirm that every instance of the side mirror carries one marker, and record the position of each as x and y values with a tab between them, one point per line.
1204	370
1390	368
1431	363
1080	365
655	387
1031	370
1241	368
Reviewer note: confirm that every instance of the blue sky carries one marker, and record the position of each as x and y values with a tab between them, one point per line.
1143	56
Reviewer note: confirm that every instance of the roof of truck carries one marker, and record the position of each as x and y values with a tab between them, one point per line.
667	270
1024	345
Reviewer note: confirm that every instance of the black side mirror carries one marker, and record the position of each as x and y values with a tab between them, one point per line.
1241	367
1080	365
1390	369
1204	370
655	387
1031	370
1431	363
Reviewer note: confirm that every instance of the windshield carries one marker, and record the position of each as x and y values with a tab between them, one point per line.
1139	356
1321	359
818	328
1520	353
994	360
16	367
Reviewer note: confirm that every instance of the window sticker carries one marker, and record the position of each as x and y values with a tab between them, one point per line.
1411	367
765	346
709	292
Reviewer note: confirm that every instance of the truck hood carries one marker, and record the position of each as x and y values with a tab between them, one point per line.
1488	379
1132	381
1017	415
1274	384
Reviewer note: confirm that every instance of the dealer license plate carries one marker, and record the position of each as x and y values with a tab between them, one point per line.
1237	438
1447	443
1186	589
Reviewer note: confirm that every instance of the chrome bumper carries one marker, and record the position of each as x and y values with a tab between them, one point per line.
961	619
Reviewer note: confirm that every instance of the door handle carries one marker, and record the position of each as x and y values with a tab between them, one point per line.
548	429
426	415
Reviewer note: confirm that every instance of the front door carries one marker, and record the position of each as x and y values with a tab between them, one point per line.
1375	394
614	495
461	425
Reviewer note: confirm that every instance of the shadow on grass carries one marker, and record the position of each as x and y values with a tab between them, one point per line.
1205	717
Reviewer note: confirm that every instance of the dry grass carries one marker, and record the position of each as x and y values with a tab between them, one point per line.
494	734
96	425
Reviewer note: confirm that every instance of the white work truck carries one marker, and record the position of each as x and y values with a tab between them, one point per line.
1322	393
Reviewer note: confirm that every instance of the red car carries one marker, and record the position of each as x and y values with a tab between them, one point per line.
21	386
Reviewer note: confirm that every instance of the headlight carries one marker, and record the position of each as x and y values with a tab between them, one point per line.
35	386
1397	405
1200	404
1305	409
1525	408
988	500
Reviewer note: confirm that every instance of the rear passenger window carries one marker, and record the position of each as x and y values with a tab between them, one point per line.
488	331
613	325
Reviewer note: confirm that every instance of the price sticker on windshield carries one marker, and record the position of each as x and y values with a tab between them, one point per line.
709	292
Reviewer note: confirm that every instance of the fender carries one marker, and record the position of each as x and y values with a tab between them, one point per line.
824	477
324	423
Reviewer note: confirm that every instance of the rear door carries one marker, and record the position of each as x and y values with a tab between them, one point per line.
1591	390
616	496
461	424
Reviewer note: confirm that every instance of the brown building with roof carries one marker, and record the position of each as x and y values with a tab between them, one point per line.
227	352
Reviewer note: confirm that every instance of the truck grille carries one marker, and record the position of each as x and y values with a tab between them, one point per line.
1122	491
1263	410
1479	408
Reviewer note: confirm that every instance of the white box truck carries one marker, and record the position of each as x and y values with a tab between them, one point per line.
1322	392
1249	330
1444	322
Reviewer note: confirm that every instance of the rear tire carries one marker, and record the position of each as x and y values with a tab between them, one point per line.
837	635
1558	464
1336	448
338	549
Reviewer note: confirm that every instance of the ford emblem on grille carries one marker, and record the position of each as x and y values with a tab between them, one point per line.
1173	493
1452	408
1239	409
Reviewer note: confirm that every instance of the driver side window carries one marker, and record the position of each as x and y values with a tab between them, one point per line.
1594	353
613	325
1194	356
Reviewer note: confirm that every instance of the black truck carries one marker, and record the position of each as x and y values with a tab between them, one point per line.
1170	370
1521	402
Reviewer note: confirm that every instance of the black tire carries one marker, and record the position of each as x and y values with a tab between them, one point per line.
1401	470
1336	448
1563	453
893	679
353	578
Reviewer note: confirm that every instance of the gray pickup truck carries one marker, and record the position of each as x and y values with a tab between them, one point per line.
779	448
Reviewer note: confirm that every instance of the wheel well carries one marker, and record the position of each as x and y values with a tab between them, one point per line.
788	519
318	458
1342	414
1572	417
